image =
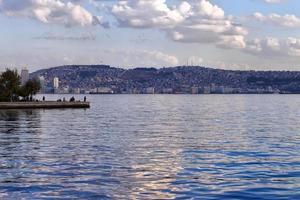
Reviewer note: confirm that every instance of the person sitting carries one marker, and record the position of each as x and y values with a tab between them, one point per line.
72	99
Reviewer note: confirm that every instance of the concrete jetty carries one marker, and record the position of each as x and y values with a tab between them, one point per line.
43	105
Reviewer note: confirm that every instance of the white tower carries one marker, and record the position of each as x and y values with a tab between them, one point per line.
24	76
55	82
42	82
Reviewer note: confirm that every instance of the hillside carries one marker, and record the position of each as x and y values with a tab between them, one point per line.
177	78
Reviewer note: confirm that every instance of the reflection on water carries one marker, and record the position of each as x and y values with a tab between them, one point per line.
154	147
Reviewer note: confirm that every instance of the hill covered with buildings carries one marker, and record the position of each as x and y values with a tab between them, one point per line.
182	79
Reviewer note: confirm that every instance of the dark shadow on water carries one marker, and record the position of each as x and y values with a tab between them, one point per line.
12	120
20	132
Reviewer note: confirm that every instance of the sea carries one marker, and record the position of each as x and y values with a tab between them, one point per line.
154	147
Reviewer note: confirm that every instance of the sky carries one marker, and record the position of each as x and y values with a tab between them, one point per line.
227	34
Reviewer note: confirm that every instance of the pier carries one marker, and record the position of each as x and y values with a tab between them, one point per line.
43	105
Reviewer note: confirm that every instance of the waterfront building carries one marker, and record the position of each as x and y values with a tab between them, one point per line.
220	89
134	91
270	89
228	90
76	90
42	83
94	90
185	89
150	90
24	76
65	90
56	83
167	90
217	89
206	90
194	90
213	88
104	90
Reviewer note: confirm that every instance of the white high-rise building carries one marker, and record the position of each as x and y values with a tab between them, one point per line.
24	76
42	82
56	83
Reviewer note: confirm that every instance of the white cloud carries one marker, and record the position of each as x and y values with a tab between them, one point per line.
146	14
66	37
273	1
114	57
50	12
193	22
143	58
273	47
287	20
203	22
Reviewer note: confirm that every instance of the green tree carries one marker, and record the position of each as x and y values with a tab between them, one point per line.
32	87
10	89
29	89
9	85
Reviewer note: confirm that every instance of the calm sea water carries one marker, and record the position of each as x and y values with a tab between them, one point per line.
154	147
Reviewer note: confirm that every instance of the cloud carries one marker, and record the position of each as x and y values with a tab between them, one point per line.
273	47
114	57
146	14
273	1
196	22
81	37
51	12
287	20
203	22
141	58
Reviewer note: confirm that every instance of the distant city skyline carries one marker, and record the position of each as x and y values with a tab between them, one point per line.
228	34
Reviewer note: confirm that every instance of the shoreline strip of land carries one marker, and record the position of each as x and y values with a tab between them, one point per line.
43	105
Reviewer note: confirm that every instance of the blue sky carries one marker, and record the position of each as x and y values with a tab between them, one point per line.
229	34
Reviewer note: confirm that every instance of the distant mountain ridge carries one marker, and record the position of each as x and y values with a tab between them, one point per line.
176	78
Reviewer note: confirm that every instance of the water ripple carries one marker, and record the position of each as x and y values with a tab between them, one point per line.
154	147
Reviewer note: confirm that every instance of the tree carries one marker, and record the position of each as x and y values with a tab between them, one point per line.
29	89
9	85
33	86
10	89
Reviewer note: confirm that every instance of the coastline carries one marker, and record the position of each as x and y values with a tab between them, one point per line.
43	105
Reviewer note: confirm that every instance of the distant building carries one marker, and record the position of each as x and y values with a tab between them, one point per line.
76	90
150	90
167	90
65	90
194	90
56	83
217	89
134	91
228	90
270	89
185	89
104	90
94	90
220	89
213	88
206	90
42	83
24	76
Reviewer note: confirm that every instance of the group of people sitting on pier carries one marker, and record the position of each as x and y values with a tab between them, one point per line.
72	99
